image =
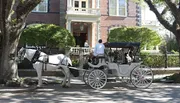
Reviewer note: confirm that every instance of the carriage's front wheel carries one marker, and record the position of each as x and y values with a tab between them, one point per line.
141	76
97	79
85	76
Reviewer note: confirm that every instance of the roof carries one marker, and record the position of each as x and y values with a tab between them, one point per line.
122	44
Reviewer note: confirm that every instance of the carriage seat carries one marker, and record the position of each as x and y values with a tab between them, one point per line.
100	56
99	59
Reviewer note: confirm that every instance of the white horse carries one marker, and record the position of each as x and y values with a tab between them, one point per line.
41	61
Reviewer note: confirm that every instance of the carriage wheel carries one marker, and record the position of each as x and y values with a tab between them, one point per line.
85	76
97	79
141	76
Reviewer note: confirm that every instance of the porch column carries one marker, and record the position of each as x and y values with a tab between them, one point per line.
98	31
70	3
68	25
93	3
93	35
97	4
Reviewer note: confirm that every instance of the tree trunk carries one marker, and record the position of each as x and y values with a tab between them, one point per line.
4	56
166	57
178	41
13	14
8	58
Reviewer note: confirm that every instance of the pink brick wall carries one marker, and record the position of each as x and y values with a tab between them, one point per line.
52	17
108	22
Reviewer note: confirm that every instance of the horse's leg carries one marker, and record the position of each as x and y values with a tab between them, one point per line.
64	79
67	75
39	74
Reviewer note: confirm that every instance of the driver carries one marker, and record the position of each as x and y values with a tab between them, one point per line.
99	48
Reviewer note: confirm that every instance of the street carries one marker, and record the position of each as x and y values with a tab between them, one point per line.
81	93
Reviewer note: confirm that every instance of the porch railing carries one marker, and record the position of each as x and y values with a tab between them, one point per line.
85	11
78	50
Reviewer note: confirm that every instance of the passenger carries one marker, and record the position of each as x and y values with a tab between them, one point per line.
128	57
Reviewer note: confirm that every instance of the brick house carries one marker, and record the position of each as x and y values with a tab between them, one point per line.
87	19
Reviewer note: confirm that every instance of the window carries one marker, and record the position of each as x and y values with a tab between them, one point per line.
76	4
117	7
83	4
42	7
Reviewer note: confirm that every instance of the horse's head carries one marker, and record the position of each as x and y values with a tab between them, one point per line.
21	54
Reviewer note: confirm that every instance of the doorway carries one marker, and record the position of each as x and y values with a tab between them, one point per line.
80	38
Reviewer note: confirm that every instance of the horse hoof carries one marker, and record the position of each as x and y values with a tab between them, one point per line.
39	86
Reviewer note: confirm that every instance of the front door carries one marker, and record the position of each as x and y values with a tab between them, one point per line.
80	5
80	39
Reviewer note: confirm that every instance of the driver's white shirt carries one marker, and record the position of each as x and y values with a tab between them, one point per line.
99	49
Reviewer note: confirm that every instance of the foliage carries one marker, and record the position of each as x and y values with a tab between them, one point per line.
49	35
158	60
172	45
135	34
75	62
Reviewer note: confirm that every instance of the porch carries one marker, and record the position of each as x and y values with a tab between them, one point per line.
83	21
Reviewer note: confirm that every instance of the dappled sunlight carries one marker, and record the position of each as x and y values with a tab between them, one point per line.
112	93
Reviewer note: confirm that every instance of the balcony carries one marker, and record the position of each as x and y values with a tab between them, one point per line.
82	50
83	11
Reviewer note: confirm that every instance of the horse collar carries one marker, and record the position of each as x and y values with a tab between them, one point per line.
36	56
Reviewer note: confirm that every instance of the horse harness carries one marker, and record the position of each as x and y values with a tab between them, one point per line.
36	56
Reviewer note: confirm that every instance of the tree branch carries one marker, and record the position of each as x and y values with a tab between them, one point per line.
165	10
25	7
9	8
174	10
164	22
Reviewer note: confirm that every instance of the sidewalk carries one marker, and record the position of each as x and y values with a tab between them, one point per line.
80	93
79	81
168	68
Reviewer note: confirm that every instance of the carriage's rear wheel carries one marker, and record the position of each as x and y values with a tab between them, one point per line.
141	76
97	79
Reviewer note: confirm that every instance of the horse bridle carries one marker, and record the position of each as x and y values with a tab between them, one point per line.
21	54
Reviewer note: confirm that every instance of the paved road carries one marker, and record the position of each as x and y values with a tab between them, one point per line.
80	93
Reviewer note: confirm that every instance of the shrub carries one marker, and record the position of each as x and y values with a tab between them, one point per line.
48	35
135	34
158	60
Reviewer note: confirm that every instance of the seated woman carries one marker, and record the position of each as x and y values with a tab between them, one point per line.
128	56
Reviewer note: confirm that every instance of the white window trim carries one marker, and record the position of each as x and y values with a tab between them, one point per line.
118	9
42	11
